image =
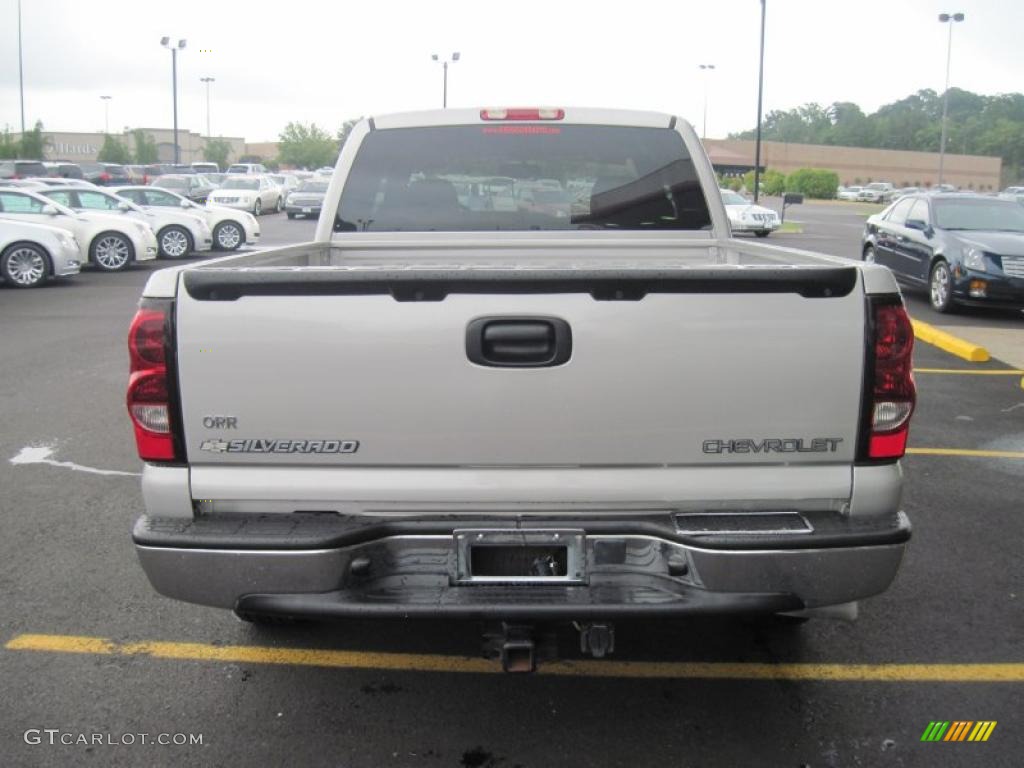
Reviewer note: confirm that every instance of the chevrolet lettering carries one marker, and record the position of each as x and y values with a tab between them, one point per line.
774	445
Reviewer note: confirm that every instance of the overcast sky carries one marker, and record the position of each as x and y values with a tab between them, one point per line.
332	60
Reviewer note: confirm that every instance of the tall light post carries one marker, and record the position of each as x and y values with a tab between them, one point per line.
760	94
106	113
706	68
946	18
21	78
207	80
166	43
455	57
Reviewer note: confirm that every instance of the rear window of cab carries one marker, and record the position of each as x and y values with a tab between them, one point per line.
491	177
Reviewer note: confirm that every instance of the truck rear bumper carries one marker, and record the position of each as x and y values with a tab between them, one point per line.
326	566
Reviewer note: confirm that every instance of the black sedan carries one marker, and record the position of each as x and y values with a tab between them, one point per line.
965	249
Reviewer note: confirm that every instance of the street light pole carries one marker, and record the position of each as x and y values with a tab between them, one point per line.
165	42
106	113
444	96
207	80
760	94
706	69
946	18
21	78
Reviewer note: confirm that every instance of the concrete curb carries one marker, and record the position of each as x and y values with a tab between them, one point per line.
966	350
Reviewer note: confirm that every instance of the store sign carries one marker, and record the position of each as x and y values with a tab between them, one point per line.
65	148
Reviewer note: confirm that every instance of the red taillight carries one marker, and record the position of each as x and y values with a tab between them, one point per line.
149	400
105	177
893	391
522	114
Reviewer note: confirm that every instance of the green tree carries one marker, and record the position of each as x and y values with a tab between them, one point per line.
772	182
8	146
145	148
813	182
113	151
345	130
307	146
977	125
32	145
217	151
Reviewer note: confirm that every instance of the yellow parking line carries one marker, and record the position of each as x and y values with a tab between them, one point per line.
62	644
421	662
948	342
998	372
966	452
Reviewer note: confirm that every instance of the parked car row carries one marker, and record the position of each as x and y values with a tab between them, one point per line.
885	192
50	231
256	193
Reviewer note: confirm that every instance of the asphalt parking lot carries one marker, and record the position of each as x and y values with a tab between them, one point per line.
87	647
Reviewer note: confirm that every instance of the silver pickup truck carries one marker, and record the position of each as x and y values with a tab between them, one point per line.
595	406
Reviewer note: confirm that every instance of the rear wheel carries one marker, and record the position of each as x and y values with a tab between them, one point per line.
291	215
940	287
280	205
257	207
228	236
175	242
111	251
869	254
763	233
24	265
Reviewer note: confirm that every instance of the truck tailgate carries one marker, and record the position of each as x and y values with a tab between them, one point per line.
330	368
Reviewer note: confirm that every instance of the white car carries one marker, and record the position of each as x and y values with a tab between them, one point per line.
1013	193
206	167
248	193
286	181
31	253
247	168
178	232
230	228
848	193
877	192
110	242
744	216
60	181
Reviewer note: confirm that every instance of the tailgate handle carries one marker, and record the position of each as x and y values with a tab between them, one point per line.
518	342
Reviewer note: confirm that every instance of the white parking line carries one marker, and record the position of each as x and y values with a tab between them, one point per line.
40	454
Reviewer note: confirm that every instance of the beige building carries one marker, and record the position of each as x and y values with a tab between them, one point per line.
859	165
265	150
83	147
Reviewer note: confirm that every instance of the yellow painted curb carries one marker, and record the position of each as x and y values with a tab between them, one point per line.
929	334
